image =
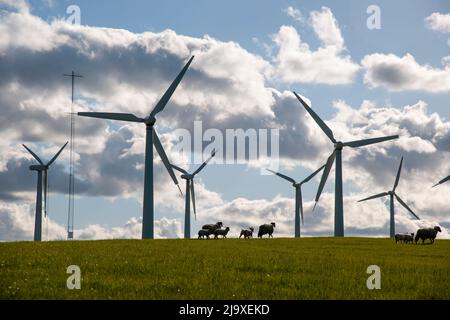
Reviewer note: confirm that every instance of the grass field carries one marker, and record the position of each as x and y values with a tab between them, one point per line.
309	268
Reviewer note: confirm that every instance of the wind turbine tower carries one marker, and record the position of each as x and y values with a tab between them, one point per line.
190	193
336	156
42	180
151	139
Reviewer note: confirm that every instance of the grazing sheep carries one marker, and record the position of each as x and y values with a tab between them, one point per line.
204	233
404	238
213	227
247	233
266	229
409	238
398	237
221	232
429	233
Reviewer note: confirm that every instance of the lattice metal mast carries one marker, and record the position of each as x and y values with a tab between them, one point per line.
71	206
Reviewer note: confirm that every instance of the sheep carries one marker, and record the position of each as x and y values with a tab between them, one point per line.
213	227
405	238
204	233
409	238
221	232
247	233
429	233
398	237
266	229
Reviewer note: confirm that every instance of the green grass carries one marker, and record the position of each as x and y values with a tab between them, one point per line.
309	268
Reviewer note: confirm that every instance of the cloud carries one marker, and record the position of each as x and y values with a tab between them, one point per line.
295	62
294	13
326	28
17	224
438	22
164	228
19	5
404	74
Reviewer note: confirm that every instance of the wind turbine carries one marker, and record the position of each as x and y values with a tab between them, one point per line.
298	196
391	195
337	156
190	192
442	181
151	140
41	169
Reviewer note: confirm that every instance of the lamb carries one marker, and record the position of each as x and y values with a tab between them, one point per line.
213	227
221	232
266	229
204	233
405	238
247	233
429	233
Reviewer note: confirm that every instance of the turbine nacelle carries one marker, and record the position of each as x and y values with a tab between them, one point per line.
149	121
338	145
38	167
187	176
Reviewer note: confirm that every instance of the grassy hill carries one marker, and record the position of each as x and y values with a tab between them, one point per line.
309	268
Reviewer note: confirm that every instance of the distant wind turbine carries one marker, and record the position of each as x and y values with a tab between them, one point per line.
41	169
442	181
151	139
298	196
190	192
337	155
391	195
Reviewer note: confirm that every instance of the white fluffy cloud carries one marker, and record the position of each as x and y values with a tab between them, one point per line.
438	22
326	28
17	223
295	62
404	73
294	13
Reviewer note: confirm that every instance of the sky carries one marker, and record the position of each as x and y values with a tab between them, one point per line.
249	57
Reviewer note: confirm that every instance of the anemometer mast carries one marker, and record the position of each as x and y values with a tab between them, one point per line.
71	207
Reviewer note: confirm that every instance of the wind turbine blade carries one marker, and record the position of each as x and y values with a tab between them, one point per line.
213	153
163	156
282	176
365	142
112	116
312	175
325	174
181	192
406	206
193	198
166	97
442	181
33	154
318	120
398	175
45	192
375	196
179	169
57	154
300	203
